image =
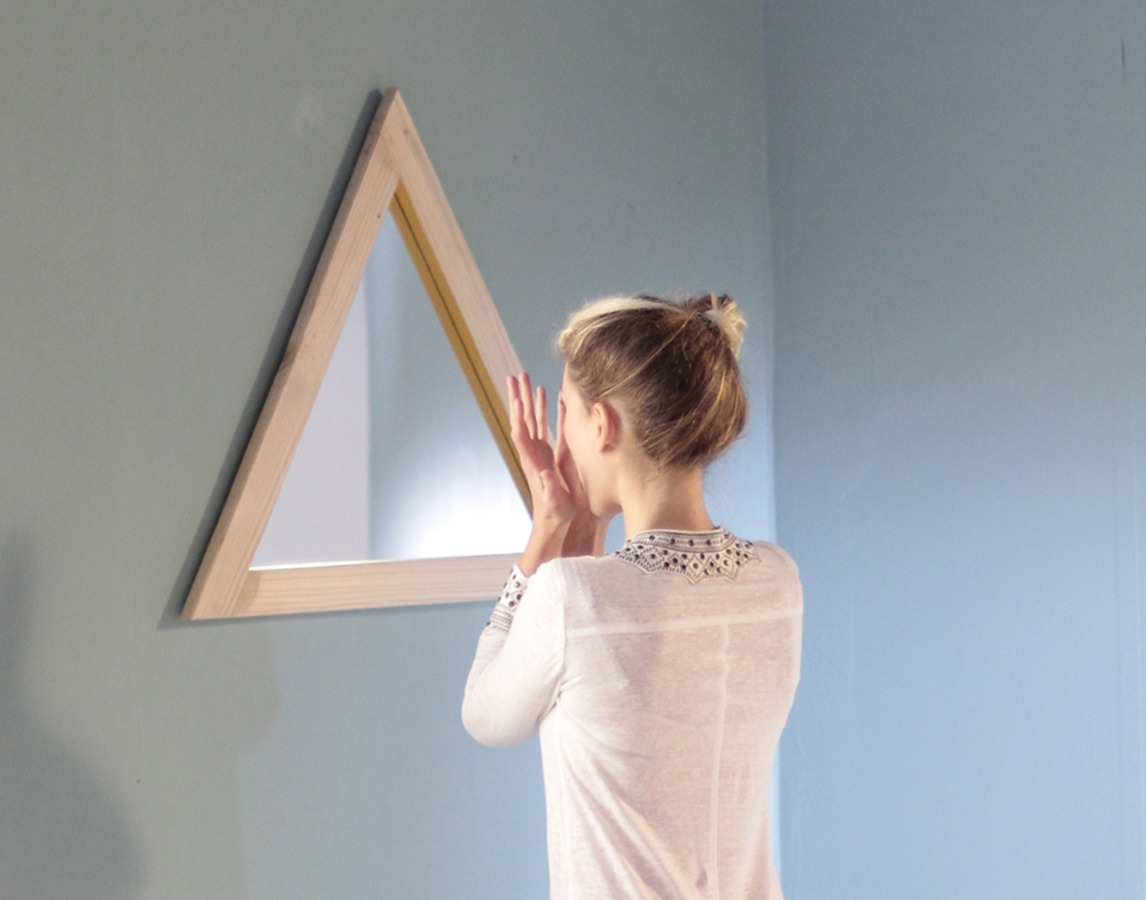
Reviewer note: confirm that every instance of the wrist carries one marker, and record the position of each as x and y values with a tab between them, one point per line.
546	542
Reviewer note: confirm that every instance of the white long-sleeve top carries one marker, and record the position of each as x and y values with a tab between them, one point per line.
660	678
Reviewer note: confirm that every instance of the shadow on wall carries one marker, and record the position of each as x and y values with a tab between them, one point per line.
60	835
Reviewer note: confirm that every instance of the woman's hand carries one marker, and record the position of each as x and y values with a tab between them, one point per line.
546	467
562	522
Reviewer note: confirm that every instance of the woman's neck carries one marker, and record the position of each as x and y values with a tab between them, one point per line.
665	500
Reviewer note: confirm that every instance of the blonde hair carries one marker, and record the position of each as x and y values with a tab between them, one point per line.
672	363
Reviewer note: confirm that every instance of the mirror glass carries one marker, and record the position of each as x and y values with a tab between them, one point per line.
396	460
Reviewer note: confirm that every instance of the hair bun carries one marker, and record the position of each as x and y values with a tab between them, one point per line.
722	312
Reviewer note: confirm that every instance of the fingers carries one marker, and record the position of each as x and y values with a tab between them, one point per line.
525	391
561	449
527	409
517	430
542	421
522	418
560	443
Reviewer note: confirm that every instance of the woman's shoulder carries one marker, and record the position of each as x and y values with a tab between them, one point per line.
768	549
571	569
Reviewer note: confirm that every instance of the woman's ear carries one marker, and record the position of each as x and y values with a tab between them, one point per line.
606	425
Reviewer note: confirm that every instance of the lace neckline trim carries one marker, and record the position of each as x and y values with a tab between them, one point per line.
696	555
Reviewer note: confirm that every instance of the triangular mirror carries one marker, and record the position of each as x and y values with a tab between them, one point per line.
337	504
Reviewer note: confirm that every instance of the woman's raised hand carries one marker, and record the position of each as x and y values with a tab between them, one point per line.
547	468
563	525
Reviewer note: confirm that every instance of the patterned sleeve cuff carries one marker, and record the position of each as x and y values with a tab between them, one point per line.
511	594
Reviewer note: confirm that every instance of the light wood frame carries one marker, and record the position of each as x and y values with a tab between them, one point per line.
393	173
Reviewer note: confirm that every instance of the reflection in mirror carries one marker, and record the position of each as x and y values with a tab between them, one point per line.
396	460
322	513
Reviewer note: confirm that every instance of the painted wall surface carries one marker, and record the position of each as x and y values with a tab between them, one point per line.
168	172
958	223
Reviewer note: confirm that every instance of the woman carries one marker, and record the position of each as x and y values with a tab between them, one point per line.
659	676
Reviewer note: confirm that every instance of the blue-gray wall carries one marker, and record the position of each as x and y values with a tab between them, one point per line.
957	233
167	174
959	225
